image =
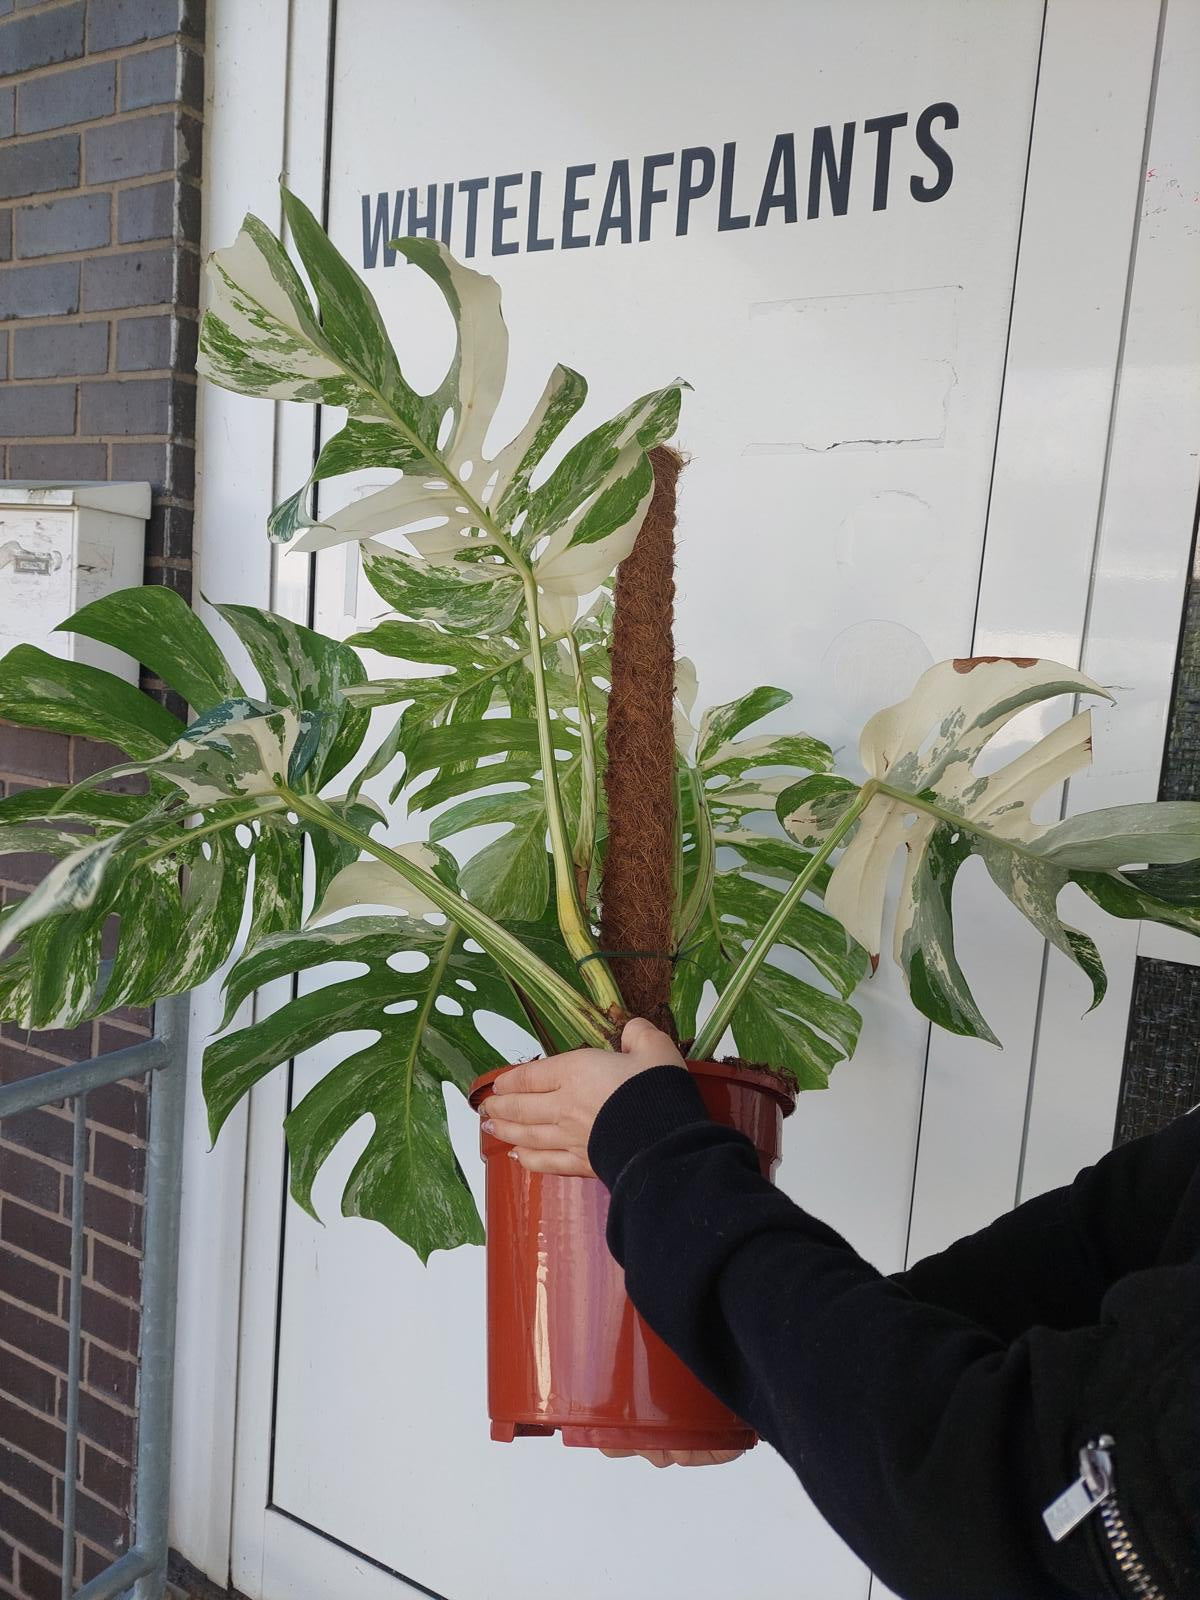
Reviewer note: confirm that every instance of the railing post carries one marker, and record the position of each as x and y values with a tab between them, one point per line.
159	1278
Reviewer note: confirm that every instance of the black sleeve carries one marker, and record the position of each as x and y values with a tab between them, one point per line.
1053	1259
928	1443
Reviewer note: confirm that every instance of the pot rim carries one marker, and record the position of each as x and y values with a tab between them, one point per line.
753	1077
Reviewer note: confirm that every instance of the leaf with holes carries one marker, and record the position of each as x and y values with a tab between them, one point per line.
934	804
408	1177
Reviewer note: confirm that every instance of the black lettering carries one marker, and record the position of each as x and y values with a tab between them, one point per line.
651	196
617	210
447	213
573	204
692	187
883	127
836	172
779	189
532	241
928	145
725	217
418	222
502	214
471	188
376	232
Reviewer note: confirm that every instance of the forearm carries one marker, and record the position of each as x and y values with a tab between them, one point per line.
909	1426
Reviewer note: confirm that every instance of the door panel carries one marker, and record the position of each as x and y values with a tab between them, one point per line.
848	374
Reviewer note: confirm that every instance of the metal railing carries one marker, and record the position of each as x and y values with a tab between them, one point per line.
142	1569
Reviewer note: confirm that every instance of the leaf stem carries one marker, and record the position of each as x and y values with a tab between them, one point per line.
585	834
743	974
692	909
575	931
572	1012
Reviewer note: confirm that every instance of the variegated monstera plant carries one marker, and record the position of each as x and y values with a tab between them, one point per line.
498	590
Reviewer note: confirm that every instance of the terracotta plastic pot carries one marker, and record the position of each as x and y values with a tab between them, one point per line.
566	1349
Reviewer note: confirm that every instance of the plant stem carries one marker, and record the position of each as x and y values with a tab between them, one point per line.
743	974
585	834
691	911
575	931
572	1012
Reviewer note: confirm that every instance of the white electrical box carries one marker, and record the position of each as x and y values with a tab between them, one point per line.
61	546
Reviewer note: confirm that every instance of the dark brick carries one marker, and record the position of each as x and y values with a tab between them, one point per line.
40	166
7	1563
66	1044
63	98
60	349
31	411
170	533
113	1376
149	79
107	1478
113	1161
109	1320
117	22
144	345
119	1271
57	461
177	578
191	88
142	463
37	1235
6	113
29	1281
112	1215
31	1385
17	1064
24	1330
28	1527
5	235
28	869
104	1425
43	38
26	1477
119	1104
137	278
77	222
100	1523
36	1582
26	1178
147	212
49	290
37	1435
190	147
130	149
141	405
41	1131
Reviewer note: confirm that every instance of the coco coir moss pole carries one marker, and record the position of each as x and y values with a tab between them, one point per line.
637	890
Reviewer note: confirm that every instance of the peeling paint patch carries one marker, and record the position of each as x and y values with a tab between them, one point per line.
853	372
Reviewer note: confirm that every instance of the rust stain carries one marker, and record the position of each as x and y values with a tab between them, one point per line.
969	663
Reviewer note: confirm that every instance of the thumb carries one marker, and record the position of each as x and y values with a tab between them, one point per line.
637	1034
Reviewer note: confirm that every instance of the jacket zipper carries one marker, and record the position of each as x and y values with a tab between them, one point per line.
1094	1490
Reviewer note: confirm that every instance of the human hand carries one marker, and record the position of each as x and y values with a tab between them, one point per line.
545	1109
678	1458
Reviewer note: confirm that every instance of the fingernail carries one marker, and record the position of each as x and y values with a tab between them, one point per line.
488	1125
514	1155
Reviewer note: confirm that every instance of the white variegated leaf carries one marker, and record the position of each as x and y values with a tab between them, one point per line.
368	883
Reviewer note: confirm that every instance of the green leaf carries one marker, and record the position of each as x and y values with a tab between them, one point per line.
1118	836
721	723
510	878
40	691
407	1178
307	671
462	598
157	627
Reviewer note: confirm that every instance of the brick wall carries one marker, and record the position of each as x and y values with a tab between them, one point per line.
100	123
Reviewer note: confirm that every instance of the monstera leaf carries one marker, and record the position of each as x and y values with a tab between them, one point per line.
458	508
926	796
797	1026
173	866
408	1177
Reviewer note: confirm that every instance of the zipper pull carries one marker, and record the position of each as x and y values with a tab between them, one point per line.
1092	1488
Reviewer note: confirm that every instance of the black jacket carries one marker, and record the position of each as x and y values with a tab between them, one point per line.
933	1415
